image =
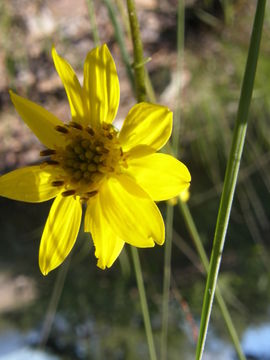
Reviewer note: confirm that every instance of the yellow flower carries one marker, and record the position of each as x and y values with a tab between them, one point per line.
117	175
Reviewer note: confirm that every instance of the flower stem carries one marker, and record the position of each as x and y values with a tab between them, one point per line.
231	174
54	301
145	311
139	61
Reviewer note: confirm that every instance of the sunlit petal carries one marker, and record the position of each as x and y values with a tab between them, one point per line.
101	85
107	244
160	175
75	92
146	124
130	212
39	120
29	184
139	151
60	232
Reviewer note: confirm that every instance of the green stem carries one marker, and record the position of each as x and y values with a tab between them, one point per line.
180	58
56	294
93	23
124	16
231	174
170	209
121	41
150	92
166	282
139	61
221	303
145	311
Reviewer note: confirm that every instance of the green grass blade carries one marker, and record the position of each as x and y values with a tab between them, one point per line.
231	174
221	303
93	23
119	35
180	59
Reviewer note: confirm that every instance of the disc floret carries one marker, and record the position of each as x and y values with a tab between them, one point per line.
88	157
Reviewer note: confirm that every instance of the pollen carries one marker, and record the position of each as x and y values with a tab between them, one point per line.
88	157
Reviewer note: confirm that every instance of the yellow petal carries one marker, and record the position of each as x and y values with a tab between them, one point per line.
130	212
146	124
29	184
139	151
160	175
101	85
108	245
75	93
39	120
60	232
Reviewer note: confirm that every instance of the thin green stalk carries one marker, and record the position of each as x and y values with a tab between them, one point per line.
121	41
179	70
150	92
145	311
93	23
193	232
56	294
166	282
231	174
221	303
170	209
123	14
139	61
148	85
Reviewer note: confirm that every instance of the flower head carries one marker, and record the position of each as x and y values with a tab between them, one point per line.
117	175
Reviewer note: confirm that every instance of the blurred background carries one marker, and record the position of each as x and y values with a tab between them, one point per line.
80	311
